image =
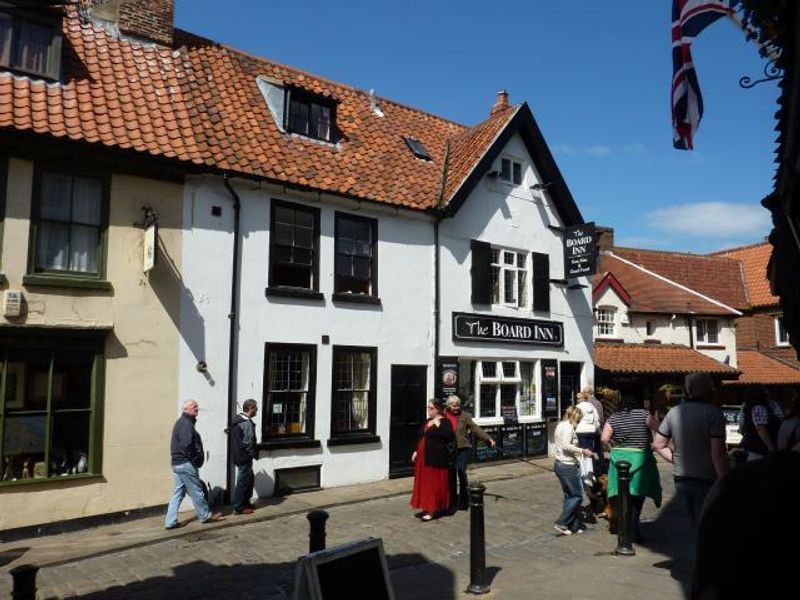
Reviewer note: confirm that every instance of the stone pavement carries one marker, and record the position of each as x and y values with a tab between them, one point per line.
253	557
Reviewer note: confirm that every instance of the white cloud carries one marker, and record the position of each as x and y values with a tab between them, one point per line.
598	151
636	149
720	220
565	149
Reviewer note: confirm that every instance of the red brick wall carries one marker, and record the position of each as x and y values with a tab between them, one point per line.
757	330
150	19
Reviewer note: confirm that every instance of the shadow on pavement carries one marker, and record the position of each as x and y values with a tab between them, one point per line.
413	576
669	534
12	554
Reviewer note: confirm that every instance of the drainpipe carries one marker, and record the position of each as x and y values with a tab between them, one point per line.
437	294
691	331
233	317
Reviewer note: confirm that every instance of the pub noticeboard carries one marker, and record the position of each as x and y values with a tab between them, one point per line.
483	450
469	327
536	439
580	259
550	388
447	383
511	441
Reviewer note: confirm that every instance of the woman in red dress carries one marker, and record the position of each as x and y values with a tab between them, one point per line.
432	463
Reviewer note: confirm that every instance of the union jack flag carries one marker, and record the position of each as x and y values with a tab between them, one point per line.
689	18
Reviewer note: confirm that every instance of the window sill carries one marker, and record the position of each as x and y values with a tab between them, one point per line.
610	339
61	281
652	341
709	347
347	440
289	443
356	298
290	292
46	480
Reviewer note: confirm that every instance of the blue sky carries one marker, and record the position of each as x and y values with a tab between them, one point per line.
596	75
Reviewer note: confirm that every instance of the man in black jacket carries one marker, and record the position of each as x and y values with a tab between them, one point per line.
186	448
243	451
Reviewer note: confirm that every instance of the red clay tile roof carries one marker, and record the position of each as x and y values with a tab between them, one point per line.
651	294
467	148
717	277
754	260
655	358
758	368
114	92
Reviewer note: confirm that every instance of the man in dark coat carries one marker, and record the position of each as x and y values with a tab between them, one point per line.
243	451
462	426
186	448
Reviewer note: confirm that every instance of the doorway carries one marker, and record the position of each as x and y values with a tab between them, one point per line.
409	398
570	384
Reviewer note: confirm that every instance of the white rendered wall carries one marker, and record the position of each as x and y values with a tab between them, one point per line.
517	218
669	329
401	328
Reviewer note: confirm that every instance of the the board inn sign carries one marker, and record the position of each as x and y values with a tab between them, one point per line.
486	328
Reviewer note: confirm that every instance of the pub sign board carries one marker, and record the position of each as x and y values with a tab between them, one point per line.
486	328
580	259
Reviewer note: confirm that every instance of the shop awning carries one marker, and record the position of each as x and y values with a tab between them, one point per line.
759	369
656	359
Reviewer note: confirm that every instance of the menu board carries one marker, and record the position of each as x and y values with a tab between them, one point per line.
550	388
536	439
483	451
509	413
511	441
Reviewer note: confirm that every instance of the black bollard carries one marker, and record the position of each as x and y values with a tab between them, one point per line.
316	534
24	582
624	522
477	541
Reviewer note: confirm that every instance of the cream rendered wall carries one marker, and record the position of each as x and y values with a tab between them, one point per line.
141	351
513	217
669	329
401	329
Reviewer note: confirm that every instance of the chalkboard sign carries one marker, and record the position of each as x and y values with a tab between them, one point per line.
509	413
536	439
511	441
356	571
483	451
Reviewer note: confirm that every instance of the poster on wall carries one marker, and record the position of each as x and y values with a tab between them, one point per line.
550	388
447	382
536	439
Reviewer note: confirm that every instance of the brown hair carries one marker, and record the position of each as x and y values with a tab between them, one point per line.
437	404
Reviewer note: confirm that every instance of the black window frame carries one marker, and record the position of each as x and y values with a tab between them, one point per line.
355	435
514	172
53	342
38	275
296	439
46	19
309	99
337	279
315	254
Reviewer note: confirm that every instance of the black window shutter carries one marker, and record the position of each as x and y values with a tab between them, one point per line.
481	272
541	281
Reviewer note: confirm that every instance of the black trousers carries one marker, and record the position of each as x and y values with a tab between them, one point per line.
458	480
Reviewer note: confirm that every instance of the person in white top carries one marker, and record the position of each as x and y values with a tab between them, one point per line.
588	431
567	455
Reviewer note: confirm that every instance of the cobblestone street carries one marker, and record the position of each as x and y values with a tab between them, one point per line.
525	558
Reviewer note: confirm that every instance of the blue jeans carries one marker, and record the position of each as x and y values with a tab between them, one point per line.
244	486
458	480
187	480
572	486
693	491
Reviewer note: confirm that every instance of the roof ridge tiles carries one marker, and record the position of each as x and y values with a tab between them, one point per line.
727	251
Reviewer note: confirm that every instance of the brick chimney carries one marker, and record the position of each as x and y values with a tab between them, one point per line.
605	238
147	19
501	103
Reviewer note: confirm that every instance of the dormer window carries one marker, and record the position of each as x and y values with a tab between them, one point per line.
310	116
511	171
29	44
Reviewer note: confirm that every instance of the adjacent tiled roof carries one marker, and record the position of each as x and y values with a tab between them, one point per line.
113	92
758	368
717	277
754	259
655	359
198	102
467	148
649	293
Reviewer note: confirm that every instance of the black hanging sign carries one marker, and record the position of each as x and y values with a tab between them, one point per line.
486	328
580	259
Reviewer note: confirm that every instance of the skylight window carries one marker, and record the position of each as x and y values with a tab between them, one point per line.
417	148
